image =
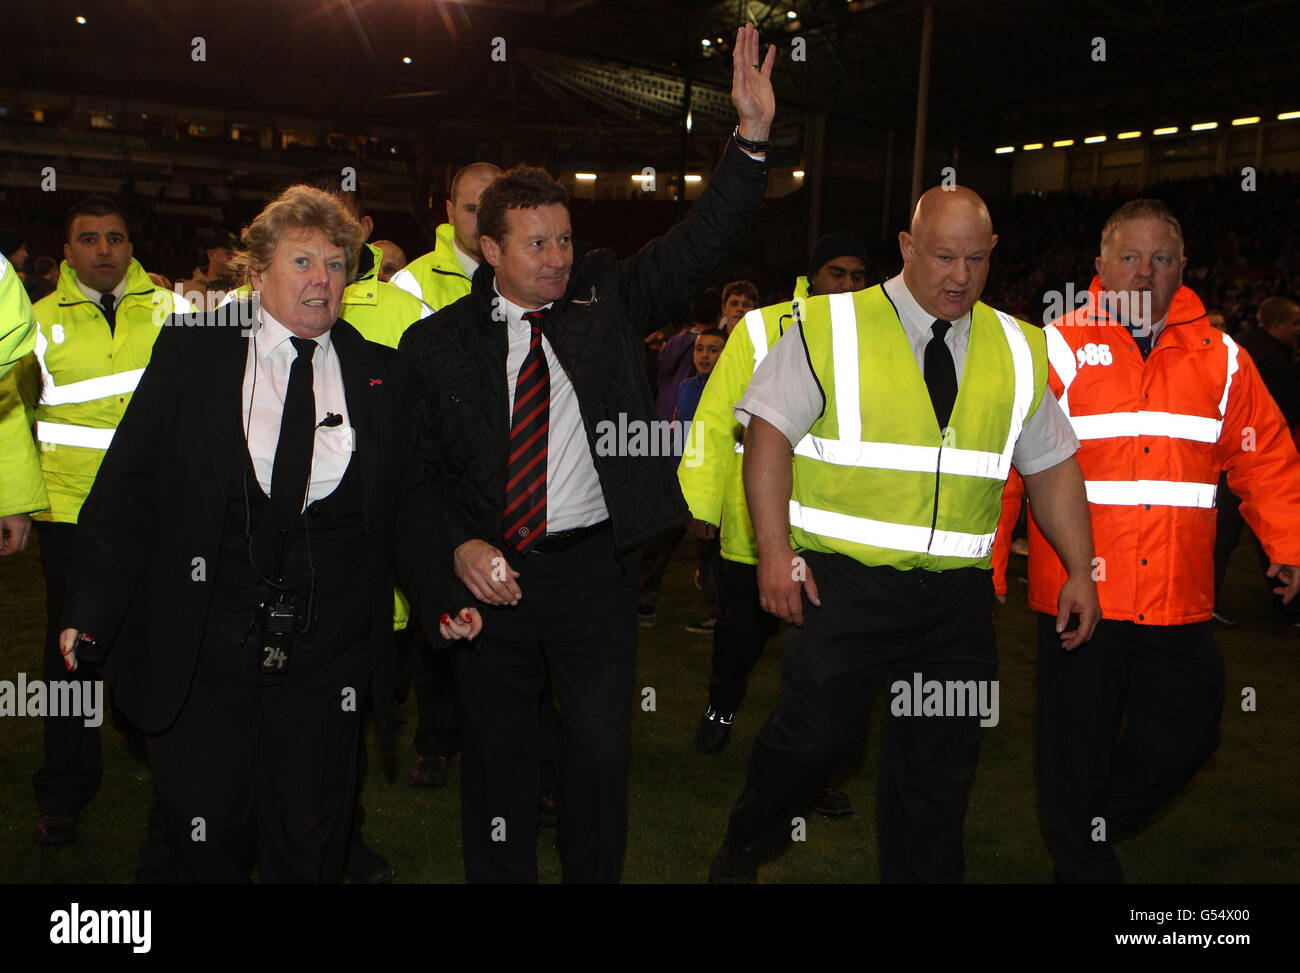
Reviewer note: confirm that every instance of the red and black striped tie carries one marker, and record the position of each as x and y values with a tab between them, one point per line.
525	514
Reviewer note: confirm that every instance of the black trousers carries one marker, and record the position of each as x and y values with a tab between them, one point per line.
438	731
577	616
1167	683
74	761
656	554
739	638
262	773
876	629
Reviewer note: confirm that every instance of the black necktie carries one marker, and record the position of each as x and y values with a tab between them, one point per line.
940	373
297	431
525	512
1143	341
106	301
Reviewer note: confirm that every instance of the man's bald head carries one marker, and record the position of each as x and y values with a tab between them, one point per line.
945	206
467	186
946	253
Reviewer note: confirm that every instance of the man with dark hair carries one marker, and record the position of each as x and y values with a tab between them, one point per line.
713	488
96	335
442	276
213	274
1163	403
545	519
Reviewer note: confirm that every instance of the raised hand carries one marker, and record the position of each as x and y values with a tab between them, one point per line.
751	85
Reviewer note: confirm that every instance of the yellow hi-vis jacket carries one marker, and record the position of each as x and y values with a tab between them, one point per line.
436	277
710	472
87	376
875	478
22	490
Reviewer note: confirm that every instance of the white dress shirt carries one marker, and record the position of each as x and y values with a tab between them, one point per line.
266	381
95	295
467	263
573	494
785	392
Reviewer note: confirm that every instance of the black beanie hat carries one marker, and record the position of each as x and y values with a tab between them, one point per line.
842	244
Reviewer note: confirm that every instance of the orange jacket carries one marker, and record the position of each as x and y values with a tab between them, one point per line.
1154	435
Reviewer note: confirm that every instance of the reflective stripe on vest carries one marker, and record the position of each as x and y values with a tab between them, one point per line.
1061	358
63	434
1163	493
849	450
757	329
1201	429
89	389
1115	425
879	533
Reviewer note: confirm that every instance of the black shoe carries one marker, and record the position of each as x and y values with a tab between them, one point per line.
646	617
830	803
714	731
704	626
430	771
56	828
729	869
548	810
367	867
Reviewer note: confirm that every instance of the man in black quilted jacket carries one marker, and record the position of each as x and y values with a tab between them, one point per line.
539	438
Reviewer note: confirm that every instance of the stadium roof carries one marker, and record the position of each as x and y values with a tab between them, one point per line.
1003	72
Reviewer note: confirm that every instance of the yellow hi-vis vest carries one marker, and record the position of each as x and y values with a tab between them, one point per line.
437	277
87	375
875	479
710	473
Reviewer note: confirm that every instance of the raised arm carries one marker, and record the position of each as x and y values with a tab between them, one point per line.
671	269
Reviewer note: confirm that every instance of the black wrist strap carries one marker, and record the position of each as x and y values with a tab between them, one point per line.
749	145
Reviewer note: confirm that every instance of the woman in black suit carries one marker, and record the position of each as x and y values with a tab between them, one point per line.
238	553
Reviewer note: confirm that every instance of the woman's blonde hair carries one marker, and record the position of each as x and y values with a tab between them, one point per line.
297	208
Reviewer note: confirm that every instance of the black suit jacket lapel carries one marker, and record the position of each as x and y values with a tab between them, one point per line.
363	388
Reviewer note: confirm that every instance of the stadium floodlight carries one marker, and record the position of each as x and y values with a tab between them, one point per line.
1032	146
1062	143
1004	150
1285	116
1129	135
1248	120
1167	130
1094	139
1205	126
585	176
